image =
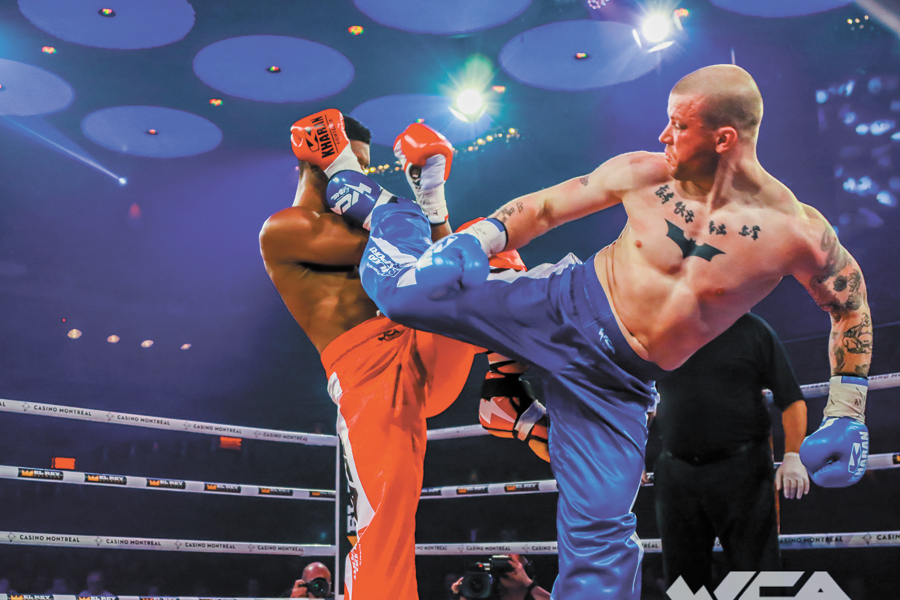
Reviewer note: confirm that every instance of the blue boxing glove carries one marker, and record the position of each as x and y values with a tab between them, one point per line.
353	195
835	454
450	264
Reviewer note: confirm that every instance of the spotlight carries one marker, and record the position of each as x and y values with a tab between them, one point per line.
469	106
74	334
274	69
215	101
355	29
122	181
469	102
655	28
106	12
113	339
658	30
146	343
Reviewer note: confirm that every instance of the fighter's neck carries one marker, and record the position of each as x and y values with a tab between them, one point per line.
736	174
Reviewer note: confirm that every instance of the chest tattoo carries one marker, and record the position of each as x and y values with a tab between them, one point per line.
751	231
664	194
689	247
717	229
682	210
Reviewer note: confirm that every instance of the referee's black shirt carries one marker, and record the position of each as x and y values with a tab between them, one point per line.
714	401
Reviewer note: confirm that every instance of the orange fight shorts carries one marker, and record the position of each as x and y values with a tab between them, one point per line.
386	379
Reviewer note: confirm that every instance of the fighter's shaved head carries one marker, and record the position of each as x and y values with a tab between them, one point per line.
729	98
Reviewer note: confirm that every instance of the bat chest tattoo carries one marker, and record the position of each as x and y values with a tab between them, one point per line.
690	247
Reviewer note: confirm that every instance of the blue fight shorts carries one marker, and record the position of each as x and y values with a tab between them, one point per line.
557	319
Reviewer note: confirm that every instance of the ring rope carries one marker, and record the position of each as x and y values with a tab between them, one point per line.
547	486
23	538
160	483
103	416
802	541
812	390
118	597
865	539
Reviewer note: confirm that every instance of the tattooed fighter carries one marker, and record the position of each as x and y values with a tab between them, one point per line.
709	234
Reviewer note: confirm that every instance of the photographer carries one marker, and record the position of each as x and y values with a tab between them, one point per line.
315	582
514	581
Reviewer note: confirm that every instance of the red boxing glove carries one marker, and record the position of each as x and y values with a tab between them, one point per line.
509	409
418	143
320	139
426	157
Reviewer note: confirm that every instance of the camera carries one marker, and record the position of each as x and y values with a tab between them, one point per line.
482	579
318	587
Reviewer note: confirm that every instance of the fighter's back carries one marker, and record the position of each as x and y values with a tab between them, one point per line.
313	261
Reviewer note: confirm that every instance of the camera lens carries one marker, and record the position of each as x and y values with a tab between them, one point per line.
476	585
318	587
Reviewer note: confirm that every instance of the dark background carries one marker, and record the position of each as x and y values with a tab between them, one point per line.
187	270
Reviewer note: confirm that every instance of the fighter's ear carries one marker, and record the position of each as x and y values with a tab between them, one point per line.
726	139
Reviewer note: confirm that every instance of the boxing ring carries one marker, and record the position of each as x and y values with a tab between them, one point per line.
863	539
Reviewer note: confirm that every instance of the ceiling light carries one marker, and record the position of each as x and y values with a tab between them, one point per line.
655	28
74	334
469	102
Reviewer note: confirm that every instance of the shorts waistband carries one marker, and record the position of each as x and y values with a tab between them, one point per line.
585	277
351	338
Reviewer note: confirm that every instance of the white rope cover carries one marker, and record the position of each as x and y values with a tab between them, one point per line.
810	541
23	538
546	486
104	416
160	483
821	541
119	597
813	390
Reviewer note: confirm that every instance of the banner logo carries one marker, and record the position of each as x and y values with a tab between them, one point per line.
471	490
531	486
169	484
748	585
41	474
275	492
224	488
105	479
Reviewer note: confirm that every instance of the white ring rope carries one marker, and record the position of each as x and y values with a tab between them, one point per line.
23	538
104	416
544	486
160	483
813	390
869	539
800	541
876	462
118	597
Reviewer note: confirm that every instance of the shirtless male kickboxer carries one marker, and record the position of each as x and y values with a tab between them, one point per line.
384	377
709	234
